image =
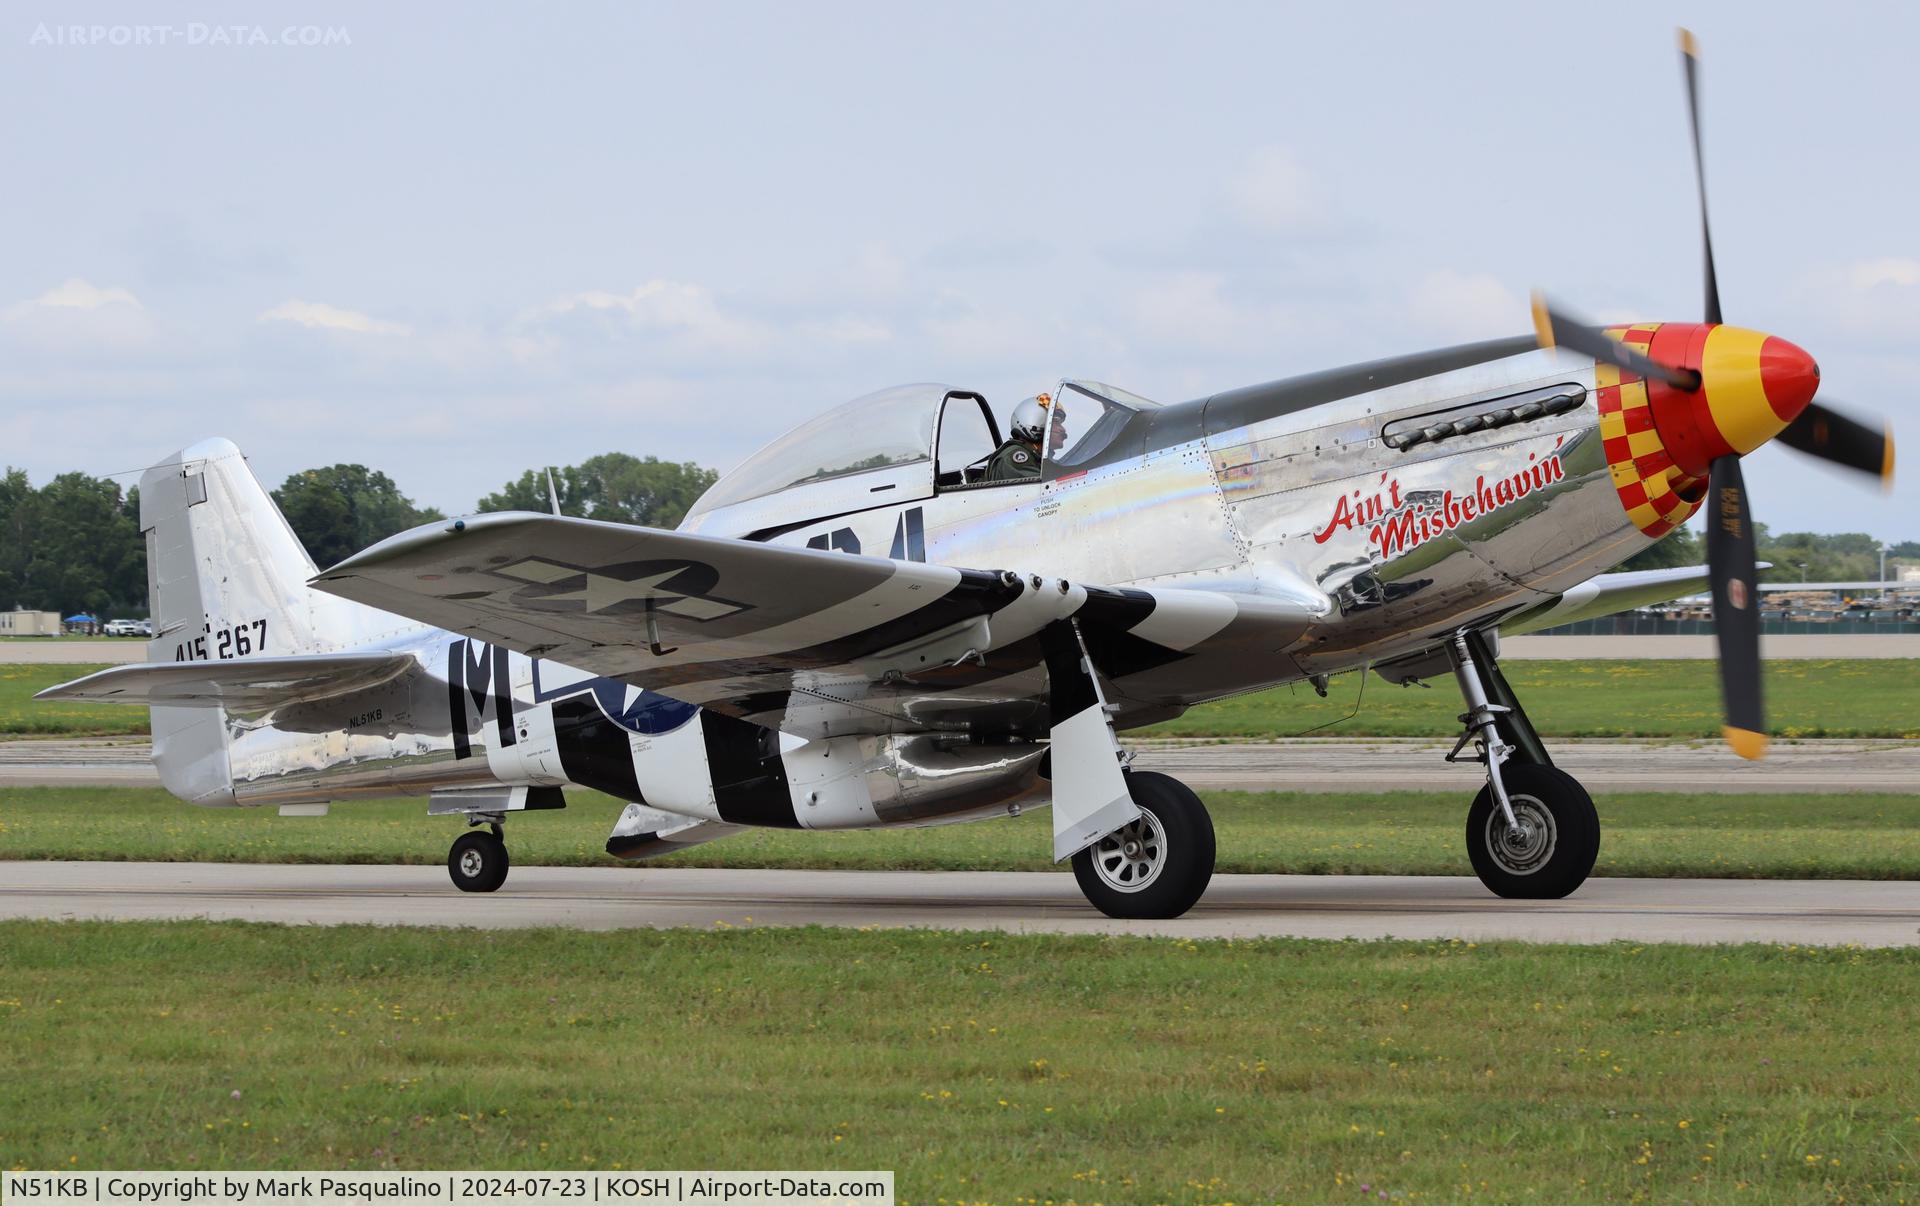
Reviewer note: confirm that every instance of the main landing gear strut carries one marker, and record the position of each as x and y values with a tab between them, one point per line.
1532	832
478	861
1141	842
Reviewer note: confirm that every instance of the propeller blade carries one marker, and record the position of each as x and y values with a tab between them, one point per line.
1690	57
1554	328
1736	608
1826	433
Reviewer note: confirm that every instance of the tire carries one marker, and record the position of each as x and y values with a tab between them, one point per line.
1174	823
478	862
1563	834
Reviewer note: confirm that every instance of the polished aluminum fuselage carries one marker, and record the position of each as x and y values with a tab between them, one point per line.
1253	509
1392	547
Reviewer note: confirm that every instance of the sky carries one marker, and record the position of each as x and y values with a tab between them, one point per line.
454	244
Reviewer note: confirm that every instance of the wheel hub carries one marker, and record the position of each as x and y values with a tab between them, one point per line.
471	863
1527	845
1132	857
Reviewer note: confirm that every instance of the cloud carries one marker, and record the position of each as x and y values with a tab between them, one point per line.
673	307
1462	305
1187	310
845	329
1871	304
1237	326
322	317
1891	271
1274	192
79	317
877	271
75	294
685	325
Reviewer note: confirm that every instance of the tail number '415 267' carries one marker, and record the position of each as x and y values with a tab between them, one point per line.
223	644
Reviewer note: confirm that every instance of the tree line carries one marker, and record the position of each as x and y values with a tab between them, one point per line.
74	544
1794	556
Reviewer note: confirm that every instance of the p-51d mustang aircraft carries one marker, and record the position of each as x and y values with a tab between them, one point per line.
857	628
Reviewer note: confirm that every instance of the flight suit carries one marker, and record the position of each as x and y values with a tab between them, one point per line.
1013	461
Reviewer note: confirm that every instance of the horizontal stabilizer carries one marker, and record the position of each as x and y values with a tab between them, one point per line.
243	684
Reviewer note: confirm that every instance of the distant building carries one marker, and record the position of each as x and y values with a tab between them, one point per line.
29	623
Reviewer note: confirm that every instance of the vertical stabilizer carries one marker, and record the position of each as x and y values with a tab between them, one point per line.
227	578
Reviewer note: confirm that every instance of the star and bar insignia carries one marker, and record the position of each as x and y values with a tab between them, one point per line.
671	588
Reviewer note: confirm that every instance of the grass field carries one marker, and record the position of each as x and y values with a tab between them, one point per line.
1860	836
981	1068
20	716
1851	698
1805	698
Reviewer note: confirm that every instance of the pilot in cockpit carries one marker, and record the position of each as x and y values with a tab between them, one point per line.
1019	458
1057	436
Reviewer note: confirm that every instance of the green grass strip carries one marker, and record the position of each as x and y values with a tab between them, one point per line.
1651	698
1860	836
981	1068
1805	698
20	716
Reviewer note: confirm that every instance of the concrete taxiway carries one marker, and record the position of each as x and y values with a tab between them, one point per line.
106	651
78	762
1307	764
1822	912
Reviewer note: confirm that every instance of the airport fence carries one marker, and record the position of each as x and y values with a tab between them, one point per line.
1639	625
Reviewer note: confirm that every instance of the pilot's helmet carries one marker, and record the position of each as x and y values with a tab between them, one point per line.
1030	418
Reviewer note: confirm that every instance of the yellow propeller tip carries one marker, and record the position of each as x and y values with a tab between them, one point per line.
1542	324
1886	464
1689	45
1745	742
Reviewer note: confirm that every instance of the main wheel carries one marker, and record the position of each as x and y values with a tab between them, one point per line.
1158	866
478	861
1557	841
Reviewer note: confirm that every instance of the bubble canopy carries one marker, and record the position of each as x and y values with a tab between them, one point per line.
880	430
892	430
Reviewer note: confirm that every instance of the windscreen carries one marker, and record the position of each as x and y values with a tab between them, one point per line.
1085	418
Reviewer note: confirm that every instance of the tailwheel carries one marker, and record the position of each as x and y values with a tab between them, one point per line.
1552	844
1156	866
478	861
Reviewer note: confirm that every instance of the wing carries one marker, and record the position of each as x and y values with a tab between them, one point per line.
242	684
1608	593
806	640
